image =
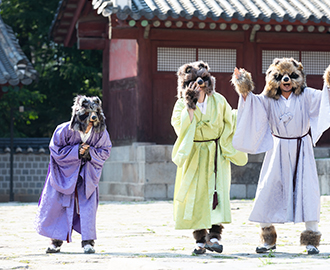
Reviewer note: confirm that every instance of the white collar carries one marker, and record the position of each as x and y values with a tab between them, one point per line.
288	97
202	106
84	136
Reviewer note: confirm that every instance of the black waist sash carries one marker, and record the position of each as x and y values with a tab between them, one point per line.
215	195
299	139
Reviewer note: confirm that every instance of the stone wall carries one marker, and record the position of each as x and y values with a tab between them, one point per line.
30	171
138	172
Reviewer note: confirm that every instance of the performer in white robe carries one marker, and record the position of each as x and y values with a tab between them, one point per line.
284	121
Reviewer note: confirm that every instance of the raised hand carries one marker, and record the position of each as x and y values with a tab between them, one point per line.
242	81
191	95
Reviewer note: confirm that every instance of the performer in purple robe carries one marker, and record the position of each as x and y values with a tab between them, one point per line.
69	200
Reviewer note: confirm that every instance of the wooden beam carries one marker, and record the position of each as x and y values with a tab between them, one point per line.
125	33
293	38
92	29
174	34
71	29
91	43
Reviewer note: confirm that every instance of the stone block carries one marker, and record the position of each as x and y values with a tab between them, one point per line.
154	153
170	191
121	189
155	191
324	181
321	152
160	173
112	172
251	191
120	154
323	166
238	191
130	172
248	174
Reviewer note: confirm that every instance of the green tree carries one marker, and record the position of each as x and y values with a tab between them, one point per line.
63	72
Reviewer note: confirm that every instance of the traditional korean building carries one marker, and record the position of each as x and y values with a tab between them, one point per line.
145	41
15	68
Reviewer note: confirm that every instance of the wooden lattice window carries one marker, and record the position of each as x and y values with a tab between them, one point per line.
268	56
315	62
219	60
170	59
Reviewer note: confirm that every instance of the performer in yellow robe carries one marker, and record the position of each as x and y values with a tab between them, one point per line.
202	153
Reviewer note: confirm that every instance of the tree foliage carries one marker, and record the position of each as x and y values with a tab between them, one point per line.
63	72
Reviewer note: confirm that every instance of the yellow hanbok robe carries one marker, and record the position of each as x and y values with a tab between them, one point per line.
195	178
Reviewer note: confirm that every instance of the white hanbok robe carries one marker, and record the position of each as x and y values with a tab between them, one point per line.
259	117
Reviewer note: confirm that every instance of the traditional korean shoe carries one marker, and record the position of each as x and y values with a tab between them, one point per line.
200	249
88	249
265	248
214	245
311	250
53	249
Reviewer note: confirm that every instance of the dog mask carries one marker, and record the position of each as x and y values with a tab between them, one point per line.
85	110
196	71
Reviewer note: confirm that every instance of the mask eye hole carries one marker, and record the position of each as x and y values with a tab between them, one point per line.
278	77
188	69
294	75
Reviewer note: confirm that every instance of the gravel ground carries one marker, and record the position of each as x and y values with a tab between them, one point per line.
141	235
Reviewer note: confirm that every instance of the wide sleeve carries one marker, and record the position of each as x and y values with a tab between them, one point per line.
185	130
64	161
253	133
320	113
99	151
228	151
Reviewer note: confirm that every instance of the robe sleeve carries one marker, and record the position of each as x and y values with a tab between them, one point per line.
185	130
99	151
226	137
253	133
320	113
64	161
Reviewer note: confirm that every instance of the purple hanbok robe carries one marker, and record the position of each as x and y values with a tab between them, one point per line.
71	185
260	123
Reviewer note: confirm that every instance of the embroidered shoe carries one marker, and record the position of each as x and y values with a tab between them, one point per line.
53	249
312	250
88	249
265	248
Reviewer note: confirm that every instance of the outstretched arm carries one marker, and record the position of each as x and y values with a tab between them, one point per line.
242	80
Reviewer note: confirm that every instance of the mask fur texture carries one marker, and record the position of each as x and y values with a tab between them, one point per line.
85	110
284	69
192	72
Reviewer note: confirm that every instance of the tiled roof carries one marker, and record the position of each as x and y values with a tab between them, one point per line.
25	145
15	68
280	10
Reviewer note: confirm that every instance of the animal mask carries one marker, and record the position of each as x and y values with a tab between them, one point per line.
285	70
196	71
85	110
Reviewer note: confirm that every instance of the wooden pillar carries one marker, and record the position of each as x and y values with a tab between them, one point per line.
145	91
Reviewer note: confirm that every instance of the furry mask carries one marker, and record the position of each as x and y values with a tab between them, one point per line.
194	72
286	71
85	110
